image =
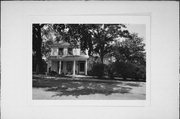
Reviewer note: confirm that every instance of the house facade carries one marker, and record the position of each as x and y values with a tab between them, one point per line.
64	59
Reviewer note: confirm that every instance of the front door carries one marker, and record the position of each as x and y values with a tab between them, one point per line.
69	67
81	67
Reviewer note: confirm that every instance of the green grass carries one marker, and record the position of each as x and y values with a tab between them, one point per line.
77	88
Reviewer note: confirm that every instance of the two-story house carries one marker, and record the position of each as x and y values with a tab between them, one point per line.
64	59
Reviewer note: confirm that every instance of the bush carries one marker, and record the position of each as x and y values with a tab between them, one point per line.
110	70
53	73
129	70
141	73
97	70
120	69
90	73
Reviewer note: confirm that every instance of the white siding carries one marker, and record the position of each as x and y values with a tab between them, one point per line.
54	51
65	51
76	51
86	52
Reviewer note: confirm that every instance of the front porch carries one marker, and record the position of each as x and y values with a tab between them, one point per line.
68	67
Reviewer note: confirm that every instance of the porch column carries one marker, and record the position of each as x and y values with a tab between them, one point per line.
74	67
60	67
86	67
47	70
48	65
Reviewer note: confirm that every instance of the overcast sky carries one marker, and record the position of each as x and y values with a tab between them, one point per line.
137	28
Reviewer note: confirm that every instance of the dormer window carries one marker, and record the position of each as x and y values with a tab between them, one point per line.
70	51
60	51
83	52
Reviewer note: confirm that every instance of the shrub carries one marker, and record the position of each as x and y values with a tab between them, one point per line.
53	73
141	73
97	70
129	70
90	73
110	70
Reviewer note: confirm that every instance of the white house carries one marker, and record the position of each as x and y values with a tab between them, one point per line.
64	59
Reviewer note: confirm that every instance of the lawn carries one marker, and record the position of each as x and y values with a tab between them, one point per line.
86	88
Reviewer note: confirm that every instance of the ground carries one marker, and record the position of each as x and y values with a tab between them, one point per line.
87	89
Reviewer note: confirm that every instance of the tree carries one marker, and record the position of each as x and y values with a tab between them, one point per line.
103	37
131	50
37	44
49	36
130	57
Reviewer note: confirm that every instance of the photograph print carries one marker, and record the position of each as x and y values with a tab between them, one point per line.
88	61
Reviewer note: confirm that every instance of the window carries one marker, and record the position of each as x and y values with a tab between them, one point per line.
54	52
70	51
82	52
69	66
60	51
81	66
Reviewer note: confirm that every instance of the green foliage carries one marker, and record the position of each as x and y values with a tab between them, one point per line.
111	70
103	36
98	70
129	70
130	50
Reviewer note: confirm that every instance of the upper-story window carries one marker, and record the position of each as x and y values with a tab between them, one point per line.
82	52
60	51
54	52
70	51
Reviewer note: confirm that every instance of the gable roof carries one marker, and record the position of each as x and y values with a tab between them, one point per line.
61	45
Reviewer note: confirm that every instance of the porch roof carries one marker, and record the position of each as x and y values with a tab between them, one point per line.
70	58
74	57
60	45
63	44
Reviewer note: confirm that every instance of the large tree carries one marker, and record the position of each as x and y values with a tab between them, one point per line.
37	44
103	38
130	49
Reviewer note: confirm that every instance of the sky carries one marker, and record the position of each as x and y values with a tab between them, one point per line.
137	28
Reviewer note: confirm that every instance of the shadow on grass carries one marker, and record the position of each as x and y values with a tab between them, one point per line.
133	84
77	88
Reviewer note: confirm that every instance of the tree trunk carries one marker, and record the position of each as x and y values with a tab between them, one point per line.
38	43
102	59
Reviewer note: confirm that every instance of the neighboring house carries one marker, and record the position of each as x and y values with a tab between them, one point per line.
64	59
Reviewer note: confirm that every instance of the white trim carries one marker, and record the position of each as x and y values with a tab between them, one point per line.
74	67
60	67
